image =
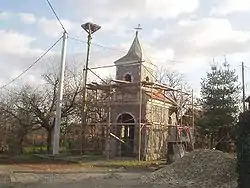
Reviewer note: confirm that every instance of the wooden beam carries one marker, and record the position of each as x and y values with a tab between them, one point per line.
117	138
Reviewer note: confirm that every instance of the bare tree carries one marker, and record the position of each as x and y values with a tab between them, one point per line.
35	107
177	81
43	101
18	117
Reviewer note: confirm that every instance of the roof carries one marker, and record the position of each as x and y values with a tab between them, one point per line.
159	95
135	53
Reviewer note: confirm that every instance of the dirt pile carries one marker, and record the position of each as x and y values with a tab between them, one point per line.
201	169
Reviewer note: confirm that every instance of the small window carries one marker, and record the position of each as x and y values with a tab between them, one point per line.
128	78
147	79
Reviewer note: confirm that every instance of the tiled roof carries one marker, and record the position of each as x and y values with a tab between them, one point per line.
159	95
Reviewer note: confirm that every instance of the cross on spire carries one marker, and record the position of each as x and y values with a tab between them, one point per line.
138	28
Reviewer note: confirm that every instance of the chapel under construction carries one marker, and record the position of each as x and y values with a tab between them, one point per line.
142	116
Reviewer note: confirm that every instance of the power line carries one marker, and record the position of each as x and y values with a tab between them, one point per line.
150	72
58	19
34	63
122	50
98	45
114	65
98	76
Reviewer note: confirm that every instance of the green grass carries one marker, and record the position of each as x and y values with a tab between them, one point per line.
22	158
91	158
3	156
81	159
130	163
85	160
35	149
39	149
100	161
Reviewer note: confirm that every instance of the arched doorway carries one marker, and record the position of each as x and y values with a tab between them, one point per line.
126	129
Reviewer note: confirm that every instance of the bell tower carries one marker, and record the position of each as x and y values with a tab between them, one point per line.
135	66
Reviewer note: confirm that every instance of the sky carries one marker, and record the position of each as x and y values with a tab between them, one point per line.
187	36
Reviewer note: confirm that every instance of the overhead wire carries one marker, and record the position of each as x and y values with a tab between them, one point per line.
33	64
97	76
114	49
119	50
109	66
114	65
123	51
57	17
95	44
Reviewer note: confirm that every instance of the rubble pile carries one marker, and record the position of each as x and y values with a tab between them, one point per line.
201	168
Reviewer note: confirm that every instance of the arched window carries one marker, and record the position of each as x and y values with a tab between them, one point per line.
128	78
147	79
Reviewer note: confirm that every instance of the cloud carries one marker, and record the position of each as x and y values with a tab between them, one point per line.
4	15
204	37
119	9
16	54
119	17
27	18
14	43
225	7
50	27
170	8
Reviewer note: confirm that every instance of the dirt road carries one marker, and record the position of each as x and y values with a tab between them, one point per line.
89	178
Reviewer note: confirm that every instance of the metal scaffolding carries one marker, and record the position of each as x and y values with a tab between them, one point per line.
122	87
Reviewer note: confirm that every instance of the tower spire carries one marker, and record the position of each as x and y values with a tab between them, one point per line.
138	28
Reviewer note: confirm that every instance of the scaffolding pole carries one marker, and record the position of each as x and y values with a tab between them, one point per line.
181	104
140	111
193	125
109	126
84	94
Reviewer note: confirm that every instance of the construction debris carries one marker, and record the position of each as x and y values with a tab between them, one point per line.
201	168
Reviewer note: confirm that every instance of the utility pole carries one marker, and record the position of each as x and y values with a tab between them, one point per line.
56	142
90	28
243	86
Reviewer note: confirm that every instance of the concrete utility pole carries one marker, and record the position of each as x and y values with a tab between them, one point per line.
243	87
56	143
90	28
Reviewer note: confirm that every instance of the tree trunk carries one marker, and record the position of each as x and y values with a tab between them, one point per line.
49	140
223	140
211	141
20	145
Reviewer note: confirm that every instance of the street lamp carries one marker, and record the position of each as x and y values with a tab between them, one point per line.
90	28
